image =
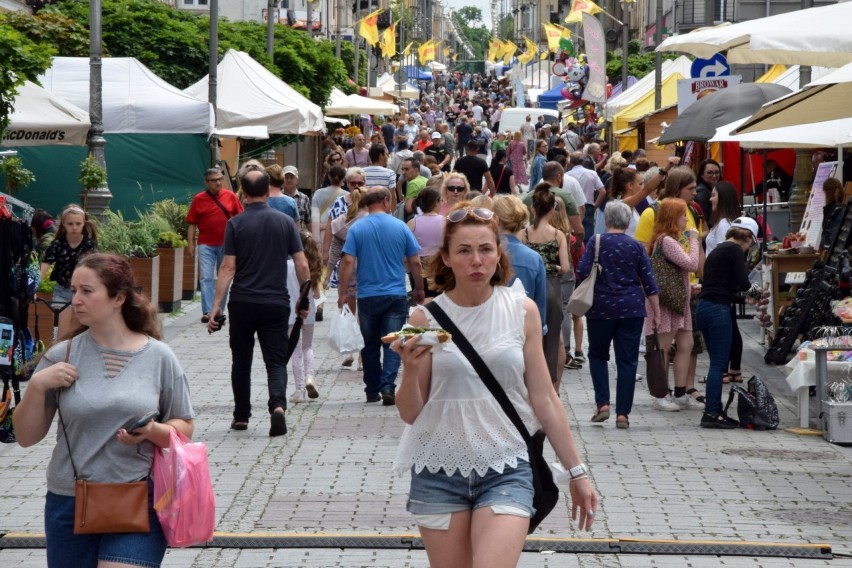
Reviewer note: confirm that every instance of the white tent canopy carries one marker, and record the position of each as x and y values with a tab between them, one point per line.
42	119
341	104
135	100
824	99
248	94
616	104
402	91
827	134
816	36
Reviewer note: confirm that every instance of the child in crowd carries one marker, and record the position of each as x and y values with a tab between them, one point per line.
303	356
75	237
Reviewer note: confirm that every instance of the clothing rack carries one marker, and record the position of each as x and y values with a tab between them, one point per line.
28	209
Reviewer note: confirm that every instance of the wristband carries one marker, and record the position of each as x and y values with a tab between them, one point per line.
584	476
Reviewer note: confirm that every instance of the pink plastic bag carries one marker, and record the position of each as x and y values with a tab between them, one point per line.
183	492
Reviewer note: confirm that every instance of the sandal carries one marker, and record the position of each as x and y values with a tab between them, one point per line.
622	422
736	377
696	394
602	413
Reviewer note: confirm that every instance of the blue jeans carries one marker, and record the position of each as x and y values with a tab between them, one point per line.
714	323
209	261
588	223
624	334
270	322
66	549
378	316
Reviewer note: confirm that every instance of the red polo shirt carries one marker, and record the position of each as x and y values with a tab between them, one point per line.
210	219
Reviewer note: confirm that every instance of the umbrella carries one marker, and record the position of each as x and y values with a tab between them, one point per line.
700	121
828	134
816	36
824	99
303	303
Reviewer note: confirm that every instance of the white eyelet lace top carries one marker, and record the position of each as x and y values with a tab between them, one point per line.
461	426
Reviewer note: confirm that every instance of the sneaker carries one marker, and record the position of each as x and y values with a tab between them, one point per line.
686	402
278	424
578	357
666	404
311	387
347	362
718	421
205	318
573	364
388	398
641	348
298	396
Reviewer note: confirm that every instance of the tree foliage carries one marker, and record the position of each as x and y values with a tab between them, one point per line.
477	36
639	63
20	59
174	44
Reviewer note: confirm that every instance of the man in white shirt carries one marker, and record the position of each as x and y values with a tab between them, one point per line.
573	187
592	187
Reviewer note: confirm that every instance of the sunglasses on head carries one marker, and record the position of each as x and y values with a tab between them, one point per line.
456	188
480	213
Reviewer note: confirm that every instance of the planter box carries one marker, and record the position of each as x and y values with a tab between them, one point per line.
45	320
146	273
190	277
171	278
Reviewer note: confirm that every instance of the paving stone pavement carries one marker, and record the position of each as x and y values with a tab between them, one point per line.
664	478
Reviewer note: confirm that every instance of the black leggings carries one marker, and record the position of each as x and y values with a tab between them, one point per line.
736	357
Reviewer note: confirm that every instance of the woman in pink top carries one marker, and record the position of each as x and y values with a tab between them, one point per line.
428	229
517	152
453	190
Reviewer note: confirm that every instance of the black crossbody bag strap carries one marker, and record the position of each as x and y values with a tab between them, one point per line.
481	369
219	203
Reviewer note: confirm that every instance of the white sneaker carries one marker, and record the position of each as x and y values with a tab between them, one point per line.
686	402
298	396
666	404
311	387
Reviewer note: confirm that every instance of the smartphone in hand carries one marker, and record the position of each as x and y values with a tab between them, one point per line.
138	422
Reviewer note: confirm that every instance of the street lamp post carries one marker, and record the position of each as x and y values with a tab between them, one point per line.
96	200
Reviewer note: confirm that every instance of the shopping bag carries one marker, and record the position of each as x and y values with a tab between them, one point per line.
344	335
183	492
656	367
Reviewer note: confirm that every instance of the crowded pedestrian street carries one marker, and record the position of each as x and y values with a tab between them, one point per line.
663	479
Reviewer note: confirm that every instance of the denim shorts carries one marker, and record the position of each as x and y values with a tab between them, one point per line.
66	549
61	294
437	493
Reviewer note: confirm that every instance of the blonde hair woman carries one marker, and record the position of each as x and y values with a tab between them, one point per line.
453	190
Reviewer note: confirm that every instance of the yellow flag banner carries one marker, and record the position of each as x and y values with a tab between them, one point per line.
544	55
578	7
388	41
553	35
369	28
407	51
446	52
530	52
495	48
456	57
509	50
426	52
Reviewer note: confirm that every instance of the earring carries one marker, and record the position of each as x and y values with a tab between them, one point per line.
439	279
496	277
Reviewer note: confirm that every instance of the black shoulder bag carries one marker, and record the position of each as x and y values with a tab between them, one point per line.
219	203
546	492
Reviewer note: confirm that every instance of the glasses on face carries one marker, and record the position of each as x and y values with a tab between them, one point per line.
455	188
480	213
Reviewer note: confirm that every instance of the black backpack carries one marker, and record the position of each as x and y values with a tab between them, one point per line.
756	408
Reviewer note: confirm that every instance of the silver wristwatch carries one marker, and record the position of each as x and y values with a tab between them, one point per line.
578	471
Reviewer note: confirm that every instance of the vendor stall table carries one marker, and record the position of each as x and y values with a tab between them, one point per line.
781	265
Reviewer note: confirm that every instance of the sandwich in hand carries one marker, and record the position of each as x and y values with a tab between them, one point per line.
427	336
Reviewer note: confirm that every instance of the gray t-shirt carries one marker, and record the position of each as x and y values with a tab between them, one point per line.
95	407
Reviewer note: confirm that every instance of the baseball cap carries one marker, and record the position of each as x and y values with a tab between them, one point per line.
291	170
436	135
746	223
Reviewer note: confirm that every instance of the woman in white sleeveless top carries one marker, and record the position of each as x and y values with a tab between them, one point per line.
471	487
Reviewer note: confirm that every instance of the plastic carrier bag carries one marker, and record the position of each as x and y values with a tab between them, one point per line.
183	492
344	335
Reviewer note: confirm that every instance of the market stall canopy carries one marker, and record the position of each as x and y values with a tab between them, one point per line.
135	100
701	119
341	104
248	94
815	36
399	90
679	68
828	134
823	99
43	119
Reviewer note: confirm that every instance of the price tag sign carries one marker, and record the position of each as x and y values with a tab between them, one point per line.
795	278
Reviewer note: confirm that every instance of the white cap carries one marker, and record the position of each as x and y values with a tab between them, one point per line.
746	223
436	135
